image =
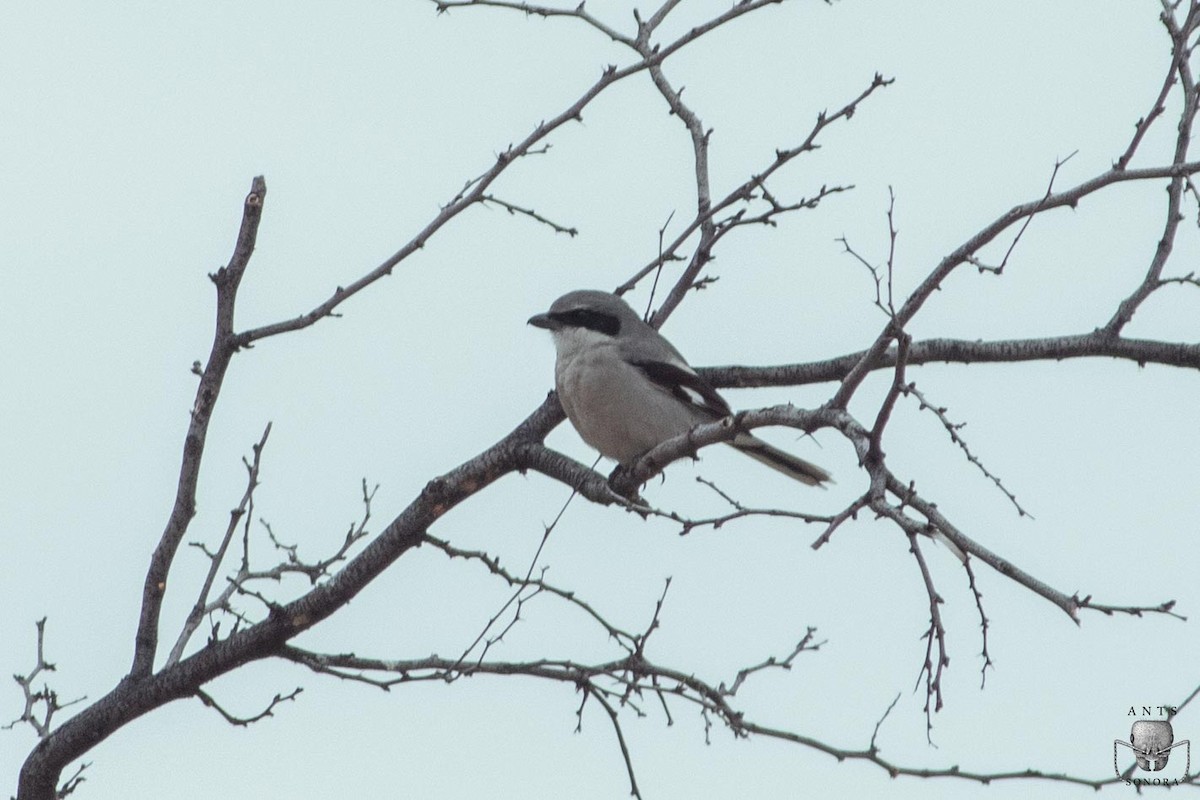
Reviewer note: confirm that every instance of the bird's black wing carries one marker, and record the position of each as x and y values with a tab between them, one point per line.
685	386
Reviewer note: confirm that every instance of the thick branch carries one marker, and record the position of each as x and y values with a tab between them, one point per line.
213	375
964	351
139	694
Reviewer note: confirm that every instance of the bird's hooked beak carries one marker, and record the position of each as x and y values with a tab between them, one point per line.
544	321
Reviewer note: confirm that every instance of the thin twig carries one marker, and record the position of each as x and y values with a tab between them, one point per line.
244	510
935	635
953	429
46	697
517	597
616	723
984	624
627	640
512	208
872	747
243	722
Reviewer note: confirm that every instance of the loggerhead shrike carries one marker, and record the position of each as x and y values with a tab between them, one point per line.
625	388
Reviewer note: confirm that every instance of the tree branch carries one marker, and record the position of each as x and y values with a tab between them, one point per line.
212	377
244	722
244	510
960	255
963	351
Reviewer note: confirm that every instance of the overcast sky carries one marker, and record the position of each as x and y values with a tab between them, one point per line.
129	134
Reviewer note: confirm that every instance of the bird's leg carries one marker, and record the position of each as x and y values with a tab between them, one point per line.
621	482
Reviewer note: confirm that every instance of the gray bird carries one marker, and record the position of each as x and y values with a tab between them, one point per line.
625	388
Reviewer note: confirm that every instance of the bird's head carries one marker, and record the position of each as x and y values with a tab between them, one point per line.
600	313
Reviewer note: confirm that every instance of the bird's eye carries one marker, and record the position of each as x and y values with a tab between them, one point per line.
597	321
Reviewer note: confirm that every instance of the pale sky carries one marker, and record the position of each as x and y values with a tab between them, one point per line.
128	138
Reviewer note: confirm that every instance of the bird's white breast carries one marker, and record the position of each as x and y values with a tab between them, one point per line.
612	404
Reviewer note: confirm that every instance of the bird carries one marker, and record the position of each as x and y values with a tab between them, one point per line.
626	389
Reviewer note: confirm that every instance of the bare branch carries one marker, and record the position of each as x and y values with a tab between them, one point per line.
227	280
879	724
963	351
742	193
1175	188
745	192
983	624
936	633
999	268
46	697
662	260
1069	604
69	786
935	524
474	190
653	626
953	429
916	300
775	208
1178	54
847	513
518	597
315	570
532	9
588	689
528	212
806	644
876	278
1133	611
244	509
243	722
626	640
740	512
875	448
1184	280
713	701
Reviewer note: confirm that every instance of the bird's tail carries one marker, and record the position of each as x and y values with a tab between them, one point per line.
788	464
